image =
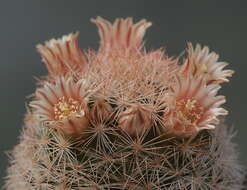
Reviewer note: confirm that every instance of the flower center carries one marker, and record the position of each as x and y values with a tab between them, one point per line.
65	108
189	110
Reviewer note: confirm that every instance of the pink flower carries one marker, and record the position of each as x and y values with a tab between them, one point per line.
101	109
123	35
192	106
200	62
62	55
62	105
135	120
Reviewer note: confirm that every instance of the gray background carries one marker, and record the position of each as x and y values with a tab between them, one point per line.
23	23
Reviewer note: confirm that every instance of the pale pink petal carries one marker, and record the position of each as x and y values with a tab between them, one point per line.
62	55
122	35
202	63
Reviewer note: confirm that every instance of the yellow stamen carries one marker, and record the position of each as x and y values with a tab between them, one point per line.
65	108
189	110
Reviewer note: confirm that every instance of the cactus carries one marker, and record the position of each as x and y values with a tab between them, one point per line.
126	118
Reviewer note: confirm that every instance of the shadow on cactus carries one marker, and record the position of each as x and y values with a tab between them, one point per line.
126	118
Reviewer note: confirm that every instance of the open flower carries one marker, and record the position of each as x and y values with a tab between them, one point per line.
61	105
122	35
200	62
62	55
193	106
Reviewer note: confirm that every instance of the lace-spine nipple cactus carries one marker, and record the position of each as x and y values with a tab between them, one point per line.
123	117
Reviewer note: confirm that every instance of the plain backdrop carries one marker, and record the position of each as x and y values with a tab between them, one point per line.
222	25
